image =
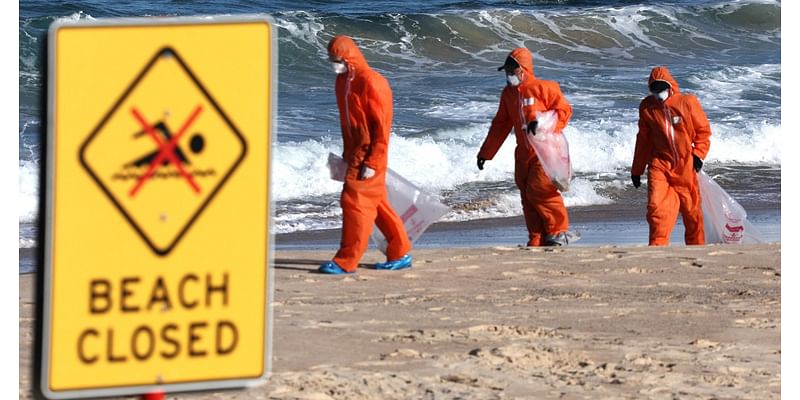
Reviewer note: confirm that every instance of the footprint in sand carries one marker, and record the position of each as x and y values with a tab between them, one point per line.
640	359
559	273
407	301
525	299
705	344
534	357
404	353
695	263
478	333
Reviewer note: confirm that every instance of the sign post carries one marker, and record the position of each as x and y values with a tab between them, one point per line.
157	229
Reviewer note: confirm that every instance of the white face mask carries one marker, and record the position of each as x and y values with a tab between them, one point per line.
663	94
513	80
339	67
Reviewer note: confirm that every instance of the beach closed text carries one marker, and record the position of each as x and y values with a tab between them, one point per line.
158	295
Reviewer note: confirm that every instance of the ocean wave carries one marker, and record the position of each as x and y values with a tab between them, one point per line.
583	36
562	36
583	192
739	87
28	195
447	159
453	34
75	17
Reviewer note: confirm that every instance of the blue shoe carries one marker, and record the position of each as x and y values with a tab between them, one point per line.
401	263
332	268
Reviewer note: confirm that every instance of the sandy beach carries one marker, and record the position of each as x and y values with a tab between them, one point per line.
601	322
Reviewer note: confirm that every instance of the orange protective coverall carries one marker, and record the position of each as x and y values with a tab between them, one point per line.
364	99
669	133
542	204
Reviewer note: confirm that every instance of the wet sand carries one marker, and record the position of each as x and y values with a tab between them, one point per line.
598	225
517	323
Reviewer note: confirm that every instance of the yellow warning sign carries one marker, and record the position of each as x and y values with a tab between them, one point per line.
157	245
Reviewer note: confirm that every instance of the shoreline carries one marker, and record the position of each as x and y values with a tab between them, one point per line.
607	225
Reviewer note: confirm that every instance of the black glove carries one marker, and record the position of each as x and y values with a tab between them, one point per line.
698	163
481	160
637	180
532	127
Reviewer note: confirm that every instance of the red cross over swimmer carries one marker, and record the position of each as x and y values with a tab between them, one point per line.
166	150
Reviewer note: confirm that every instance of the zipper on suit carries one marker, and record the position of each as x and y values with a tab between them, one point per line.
351	74
521	111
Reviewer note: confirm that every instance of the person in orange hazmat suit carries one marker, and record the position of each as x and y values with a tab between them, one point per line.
542	205
364	99
673	140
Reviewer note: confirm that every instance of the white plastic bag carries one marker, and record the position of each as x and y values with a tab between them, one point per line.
337	167
418	209
724	220
552	149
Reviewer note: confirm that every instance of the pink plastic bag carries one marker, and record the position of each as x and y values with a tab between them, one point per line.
552	149
724	219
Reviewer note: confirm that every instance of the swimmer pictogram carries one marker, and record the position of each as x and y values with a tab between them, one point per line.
163	151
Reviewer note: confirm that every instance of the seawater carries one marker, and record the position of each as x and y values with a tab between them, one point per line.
440	58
